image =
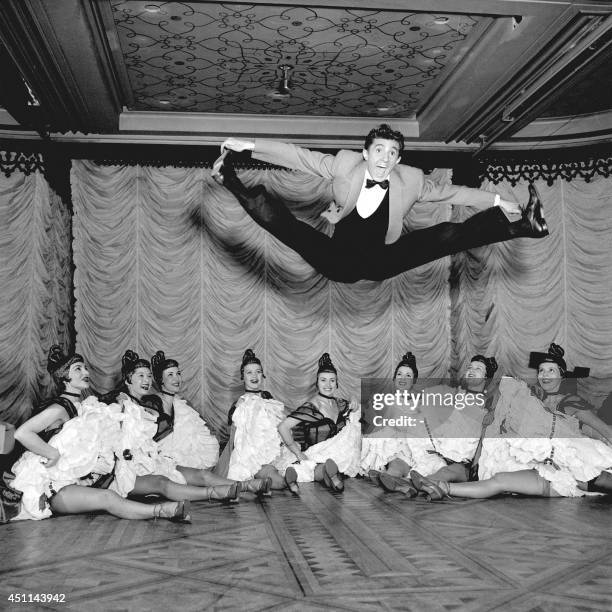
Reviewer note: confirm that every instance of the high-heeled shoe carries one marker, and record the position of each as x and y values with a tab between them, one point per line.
331	476
291	481
180	514
229	493
259	486
431	489
533	223
397	484
374	475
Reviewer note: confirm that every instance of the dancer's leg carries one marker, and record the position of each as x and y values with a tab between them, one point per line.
525	482
75	499
160	485
269	471
398	467
422	246
455	472
601	484
269	212
203	478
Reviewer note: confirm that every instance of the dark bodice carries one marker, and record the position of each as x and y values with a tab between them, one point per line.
65	403
314	426
566	403
152	404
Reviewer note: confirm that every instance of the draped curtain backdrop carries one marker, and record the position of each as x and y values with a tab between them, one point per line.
36	281
167	259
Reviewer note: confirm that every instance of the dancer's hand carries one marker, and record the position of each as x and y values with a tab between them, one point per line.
512	208
51	461
235	144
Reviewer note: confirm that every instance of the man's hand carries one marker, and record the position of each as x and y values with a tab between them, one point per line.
353	405
214	173
235	144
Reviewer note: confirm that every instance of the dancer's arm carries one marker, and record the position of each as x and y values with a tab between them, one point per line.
27	433
463	196
600	427
284	430
287	155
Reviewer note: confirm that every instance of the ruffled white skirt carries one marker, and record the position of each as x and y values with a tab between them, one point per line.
190	444
527	443
137	454
256	438
85	444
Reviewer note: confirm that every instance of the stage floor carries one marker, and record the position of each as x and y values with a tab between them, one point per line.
360	550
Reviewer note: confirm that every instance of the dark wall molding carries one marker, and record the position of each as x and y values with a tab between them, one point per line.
54	160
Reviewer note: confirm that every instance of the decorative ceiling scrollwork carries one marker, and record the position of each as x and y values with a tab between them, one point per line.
226	58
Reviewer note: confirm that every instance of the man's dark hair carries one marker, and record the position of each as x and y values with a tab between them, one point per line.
386	133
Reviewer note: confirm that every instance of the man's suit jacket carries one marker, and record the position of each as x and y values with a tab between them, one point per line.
346	170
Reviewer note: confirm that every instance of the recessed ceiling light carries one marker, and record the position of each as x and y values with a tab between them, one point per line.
152	8
164	101
441	20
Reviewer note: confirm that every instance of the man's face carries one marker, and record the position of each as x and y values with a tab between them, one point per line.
381	157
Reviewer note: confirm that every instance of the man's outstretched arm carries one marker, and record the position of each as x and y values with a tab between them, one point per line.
287	155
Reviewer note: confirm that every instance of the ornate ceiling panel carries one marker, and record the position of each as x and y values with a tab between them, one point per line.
228	58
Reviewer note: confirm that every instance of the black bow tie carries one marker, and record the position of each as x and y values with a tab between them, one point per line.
370	183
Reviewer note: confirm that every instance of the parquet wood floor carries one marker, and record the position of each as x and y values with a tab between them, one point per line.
360	550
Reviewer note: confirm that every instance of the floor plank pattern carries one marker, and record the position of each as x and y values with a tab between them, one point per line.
360	550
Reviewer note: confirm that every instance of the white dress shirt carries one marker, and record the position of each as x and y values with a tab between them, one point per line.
369	199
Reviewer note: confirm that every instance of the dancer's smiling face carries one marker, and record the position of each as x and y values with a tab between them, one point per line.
139	382
549	377
475	376
253	377
78	377
381	157
327	383
404	378
171	380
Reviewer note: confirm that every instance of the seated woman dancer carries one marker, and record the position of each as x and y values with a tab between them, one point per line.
140	468
254	442
73	437
450	447
184	436
542	451
387	449
323	435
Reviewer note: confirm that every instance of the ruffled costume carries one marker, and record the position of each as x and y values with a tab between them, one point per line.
136	451
445	435
531	437
340	441
86	446
410	443
189	443
254	440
